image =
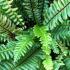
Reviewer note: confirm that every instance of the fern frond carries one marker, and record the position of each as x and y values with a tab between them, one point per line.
6	51
45	39
67	63
57	13
7	65
44	44
55	46
22	45
58	64
31	8
6	25
62	32
48	63
42	4
3	38
64	50
32	63
11	13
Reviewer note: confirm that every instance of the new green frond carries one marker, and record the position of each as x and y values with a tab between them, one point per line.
24	43
45	38
48	64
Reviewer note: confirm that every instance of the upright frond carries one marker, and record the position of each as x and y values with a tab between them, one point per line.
45	39
31	8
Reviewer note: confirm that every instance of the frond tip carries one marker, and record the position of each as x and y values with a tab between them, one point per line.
48	63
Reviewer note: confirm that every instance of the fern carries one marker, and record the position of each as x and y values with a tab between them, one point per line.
34	34
48	64
57	13
22	46
45	41
31	63
6	9
6	25
3	38
6	52
62	31
33	10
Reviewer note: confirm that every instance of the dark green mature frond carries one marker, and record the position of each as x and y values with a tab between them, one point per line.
7	65
6	51
57	13
67	63
7	10
62	32
42	4
6	25
33	10
31	63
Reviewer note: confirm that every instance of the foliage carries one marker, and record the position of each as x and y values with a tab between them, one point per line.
34	35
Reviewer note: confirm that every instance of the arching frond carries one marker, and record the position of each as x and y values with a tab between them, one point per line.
32	63
7	10
6	51
57	13
22	45
62	32
32	10
6	25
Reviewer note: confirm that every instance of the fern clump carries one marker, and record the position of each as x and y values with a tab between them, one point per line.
34	34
